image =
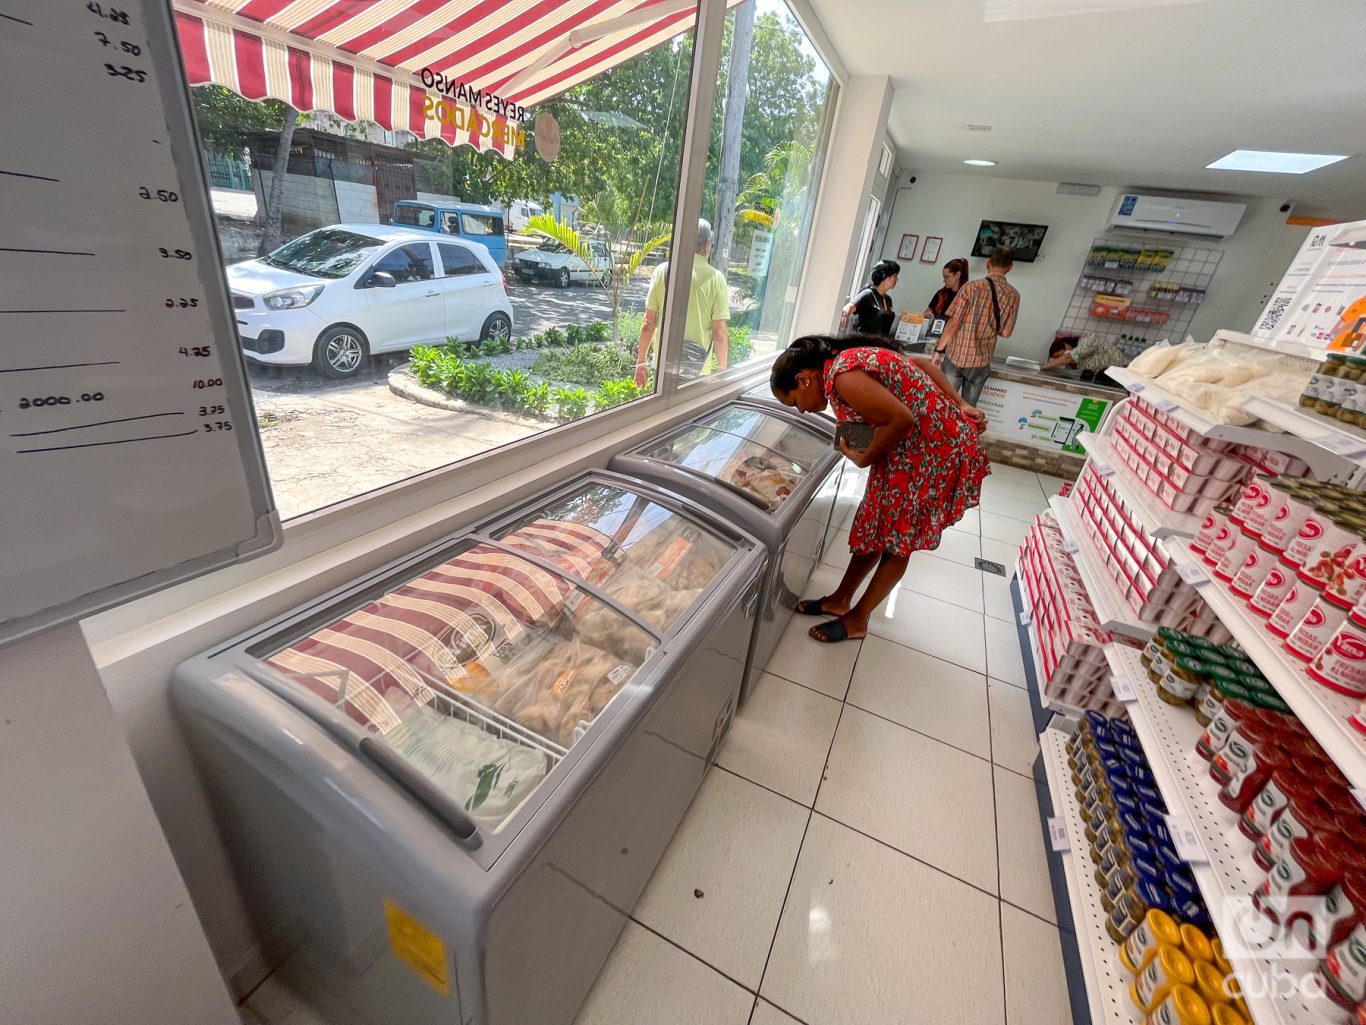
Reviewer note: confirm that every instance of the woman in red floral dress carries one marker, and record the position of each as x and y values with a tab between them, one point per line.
926	463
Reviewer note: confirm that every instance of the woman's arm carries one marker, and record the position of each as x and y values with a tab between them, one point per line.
869	399
1062	359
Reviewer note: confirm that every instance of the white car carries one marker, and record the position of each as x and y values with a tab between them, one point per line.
552	262
340	293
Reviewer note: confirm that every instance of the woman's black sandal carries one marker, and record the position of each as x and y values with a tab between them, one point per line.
830	633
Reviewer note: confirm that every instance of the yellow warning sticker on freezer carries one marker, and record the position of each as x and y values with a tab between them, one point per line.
418	947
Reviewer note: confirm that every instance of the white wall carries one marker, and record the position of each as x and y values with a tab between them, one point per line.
312	200
952	205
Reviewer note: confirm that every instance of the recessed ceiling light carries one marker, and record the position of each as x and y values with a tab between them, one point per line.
980	163
977	128
1273	163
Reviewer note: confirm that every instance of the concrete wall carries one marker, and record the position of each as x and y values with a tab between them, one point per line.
314	202
952	205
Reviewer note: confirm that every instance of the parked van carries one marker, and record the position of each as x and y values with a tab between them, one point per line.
482	224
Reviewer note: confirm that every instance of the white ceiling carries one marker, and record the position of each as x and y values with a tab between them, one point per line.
1122	92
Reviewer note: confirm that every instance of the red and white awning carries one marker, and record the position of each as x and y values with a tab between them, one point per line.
376	60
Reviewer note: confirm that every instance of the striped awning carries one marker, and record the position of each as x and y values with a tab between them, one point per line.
460	70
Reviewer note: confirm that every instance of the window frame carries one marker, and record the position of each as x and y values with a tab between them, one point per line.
477	265
485	468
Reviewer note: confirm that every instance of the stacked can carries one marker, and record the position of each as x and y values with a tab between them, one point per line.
1181	976
1293	549
1137	866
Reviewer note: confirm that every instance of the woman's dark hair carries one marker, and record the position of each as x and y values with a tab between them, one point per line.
813	352
1060	346
958	266
882	270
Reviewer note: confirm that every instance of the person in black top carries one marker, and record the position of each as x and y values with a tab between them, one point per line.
955	277
870	312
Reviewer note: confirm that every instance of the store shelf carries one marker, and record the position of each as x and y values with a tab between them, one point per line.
1339	438
1107	979
1168	734
1158	520
1322	711
1324	464
1032	653
1112	609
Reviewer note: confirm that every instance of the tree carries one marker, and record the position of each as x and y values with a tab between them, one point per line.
737	87
619	272
275	205
226	120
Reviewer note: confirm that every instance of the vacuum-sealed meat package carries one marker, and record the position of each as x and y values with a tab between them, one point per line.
562	685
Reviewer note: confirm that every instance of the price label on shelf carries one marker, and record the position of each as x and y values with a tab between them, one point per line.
1123	688
1104	469
1186	840
1057	835
1192	574
1162	403
1070	547
1344	445
1026	617
1136	388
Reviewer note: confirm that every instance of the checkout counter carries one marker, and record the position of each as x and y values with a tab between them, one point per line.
1034	416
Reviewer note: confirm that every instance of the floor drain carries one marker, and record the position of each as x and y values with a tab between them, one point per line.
987	566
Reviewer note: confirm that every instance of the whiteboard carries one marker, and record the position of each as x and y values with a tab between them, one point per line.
129	458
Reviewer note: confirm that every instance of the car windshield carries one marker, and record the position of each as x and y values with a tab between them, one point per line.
327	253
551	246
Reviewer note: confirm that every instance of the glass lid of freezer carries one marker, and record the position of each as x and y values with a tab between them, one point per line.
762	455
481	672
648	558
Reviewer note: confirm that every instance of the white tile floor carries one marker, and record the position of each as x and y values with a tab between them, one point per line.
867	850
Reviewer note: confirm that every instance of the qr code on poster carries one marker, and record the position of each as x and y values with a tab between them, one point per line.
1274	313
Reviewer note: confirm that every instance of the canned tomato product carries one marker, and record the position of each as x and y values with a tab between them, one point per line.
1284	522
1298	600
1209	527
1253	571
1277	499
1318	532
1234	556
1273	589
1341	664
1225	534
1314	631
1349	581
1255	495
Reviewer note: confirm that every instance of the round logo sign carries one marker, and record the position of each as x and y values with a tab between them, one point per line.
547	131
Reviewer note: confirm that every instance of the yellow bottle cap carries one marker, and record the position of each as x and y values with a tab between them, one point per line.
1223	1014
1176	965
1196	944
1220	960
1209	981
1189	1007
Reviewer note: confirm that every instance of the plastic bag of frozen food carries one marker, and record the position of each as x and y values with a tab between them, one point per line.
563	683
486	775
1159	359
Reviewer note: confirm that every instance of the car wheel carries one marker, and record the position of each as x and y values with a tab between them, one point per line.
563	279
498	328
339	353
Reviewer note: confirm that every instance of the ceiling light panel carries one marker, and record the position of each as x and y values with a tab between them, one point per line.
1270	162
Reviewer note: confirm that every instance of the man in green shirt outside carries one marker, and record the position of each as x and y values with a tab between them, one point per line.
705	331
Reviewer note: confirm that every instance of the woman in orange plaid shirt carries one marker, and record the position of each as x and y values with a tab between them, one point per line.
926	464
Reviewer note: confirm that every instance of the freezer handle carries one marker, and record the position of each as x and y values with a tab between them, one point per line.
426	793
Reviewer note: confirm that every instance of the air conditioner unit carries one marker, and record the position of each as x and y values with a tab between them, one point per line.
1175	215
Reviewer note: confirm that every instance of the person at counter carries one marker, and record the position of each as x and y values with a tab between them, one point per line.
870	312
1092	355
982	312
955	275
926	463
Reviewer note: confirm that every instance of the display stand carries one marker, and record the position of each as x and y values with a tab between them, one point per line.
1164	283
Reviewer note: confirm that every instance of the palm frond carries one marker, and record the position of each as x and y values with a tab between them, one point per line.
547	226
638	257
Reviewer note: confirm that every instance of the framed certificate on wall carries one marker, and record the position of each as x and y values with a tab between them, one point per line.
906	251
931	251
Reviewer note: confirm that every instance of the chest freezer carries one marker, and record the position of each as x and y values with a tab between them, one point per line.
446	784
765	471
841	490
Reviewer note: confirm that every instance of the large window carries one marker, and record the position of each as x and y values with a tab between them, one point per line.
405	303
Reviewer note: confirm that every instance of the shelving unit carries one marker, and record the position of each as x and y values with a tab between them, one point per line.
1190	267
1326	465
1112	610
1337	437
1158	520
1168	735
1324	712
1107	979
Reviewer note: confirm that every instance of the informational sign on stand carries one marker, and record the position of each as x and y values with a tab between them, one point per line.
1321	300
128	448
1042	417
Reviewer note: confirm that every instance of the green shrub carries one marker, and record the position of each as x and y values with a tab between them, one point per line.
538	399
600	331
575	334
512	390
553	336
572	403
586	364
631	324
741	345
480	384
615	393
